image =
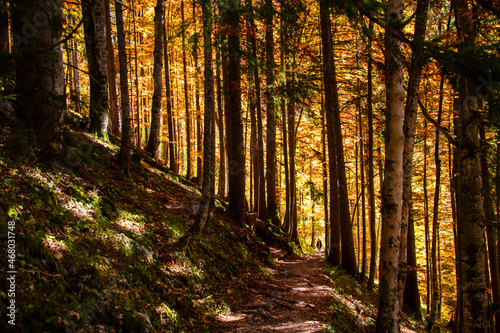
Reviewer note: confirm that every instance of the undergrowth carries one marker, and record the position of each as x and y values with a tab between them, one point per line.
95	251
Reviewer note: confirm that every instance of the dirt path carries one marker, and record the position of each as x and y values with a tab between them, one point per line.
296	300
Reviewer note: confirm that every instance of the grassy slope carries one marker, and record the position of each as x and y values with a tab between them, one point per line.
96	250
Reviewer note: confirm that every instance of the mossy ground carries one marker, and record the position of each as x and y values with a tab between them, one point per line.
96	250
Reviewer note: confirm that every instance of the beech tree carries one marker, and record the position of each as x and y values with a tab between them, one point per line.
392	189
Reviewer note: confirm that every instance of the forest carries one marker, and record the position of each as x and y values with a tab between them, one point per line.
364	133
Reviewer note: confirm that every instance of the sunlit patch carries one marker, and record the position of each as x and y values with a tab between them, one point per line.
303	327
56	247
230	317
132	222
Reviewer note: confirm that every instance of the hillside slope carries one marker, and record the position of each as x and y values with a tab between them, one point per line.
94	251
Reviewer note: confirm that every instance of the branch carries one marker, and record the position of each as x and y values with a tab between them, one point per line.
443	130
490	7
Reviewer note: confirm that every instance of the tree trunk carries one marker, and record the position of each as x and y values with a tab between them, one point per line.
199	148
124	155
470	213
39	69
172	144
371	172
186	97
491	232
426	226
435	293
392	188
234	114
331	97
221	191
272	203
208	188
409	128
113	95
154	135
95	44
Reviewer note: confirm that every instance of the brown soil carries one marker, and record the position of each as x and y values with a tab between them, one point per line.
295	300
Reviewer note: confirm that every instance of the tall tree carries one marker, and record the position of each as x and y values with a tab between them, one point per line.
113	95
331	97
272	203
409	128
154	135
392	188
234	113
208	188
371	172
186	96
94	23
474	315
126	143
39	68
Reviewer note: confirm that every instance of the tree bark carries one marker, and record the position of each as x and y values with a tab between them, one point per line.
154	134
409	128
39	69
126	143
329	84
186	97
470	229
95	44
172	143
272	203
113	95
392	188
371	172
234	115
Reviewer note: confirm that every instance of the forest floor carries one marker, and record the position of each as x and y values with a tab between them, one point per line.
296	300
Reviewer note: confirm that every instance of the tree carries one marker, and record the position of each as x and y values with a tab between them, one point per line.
186	96
471	243
126	143
36	30
329	84
392	188
174	165
208	188
154	135
272	204
113	97
234	114
409	128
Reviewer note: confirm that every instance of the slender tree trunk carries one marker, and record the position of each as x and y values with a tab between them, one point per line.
426	226
124	155
136	69
208	188
174	166
221	191
409	128
435	293
371	172
392	189
491	232
154	135
199	148
325	179
272	203
363	202
331	98
95	44
186	97
411	293
259	165
113	95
